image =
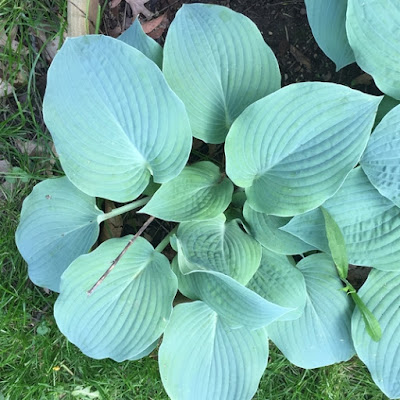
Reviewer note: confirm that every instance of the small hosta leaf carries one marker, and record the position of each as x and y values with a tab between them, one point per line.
200	192
381	160
238	305
278	281
336	244
111	113
135	37
58	224
321	336
128	311
293	149
370	224
207	57
201	357
265	229
367	23
381	294
327	20
217	245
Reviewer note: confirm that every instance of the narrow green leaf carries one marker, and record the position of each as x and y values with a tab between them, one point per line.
58	224
336	243
371	323
199	192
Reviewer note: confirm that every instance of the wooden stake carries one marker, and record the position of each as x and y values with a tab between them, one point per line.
82	17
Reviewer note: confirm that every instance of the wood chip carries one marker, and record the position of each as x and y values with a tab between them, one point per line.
300	57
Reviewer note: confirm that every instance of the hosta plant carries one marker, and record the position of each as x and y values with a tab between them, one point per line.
263	228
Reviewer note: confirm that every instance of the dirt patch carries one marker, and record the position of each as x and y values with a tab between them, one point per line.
285	29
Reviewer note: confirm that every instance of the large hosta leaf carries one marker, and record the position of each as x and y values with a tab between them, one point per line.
374	35
265	229
238	305
134	36
199	192
201	357
128	311
218	63
381	160
370	224
293	149
280	282
321	336
327	19
58	224
217	245
381	294
114	120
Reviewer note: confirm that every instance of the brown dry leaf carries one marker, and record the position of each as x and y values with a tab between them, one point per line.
114	3
5	166
5	88
112	228
115	32
300	57
363	79
52	46
5	186
138	7
156	27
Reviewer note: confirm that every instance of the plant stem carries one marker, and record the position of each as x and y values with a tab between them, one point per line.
164	243
123	209
120	255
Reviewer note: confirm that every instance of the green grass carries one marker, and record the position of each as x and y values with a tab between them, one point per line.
36	361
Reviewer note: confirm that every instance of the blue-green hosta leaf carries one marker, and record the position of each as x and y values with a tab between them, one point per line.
280	282
265	229
370	224
321	336
381	160
218	63
128	311
293	149
58	224
184	284
381	294
217	245
327	20
201	357
199	192
135	37
114	120
238	305
374	35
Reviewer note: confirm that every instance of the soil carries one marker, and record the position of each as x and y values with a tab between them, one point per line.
285	29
